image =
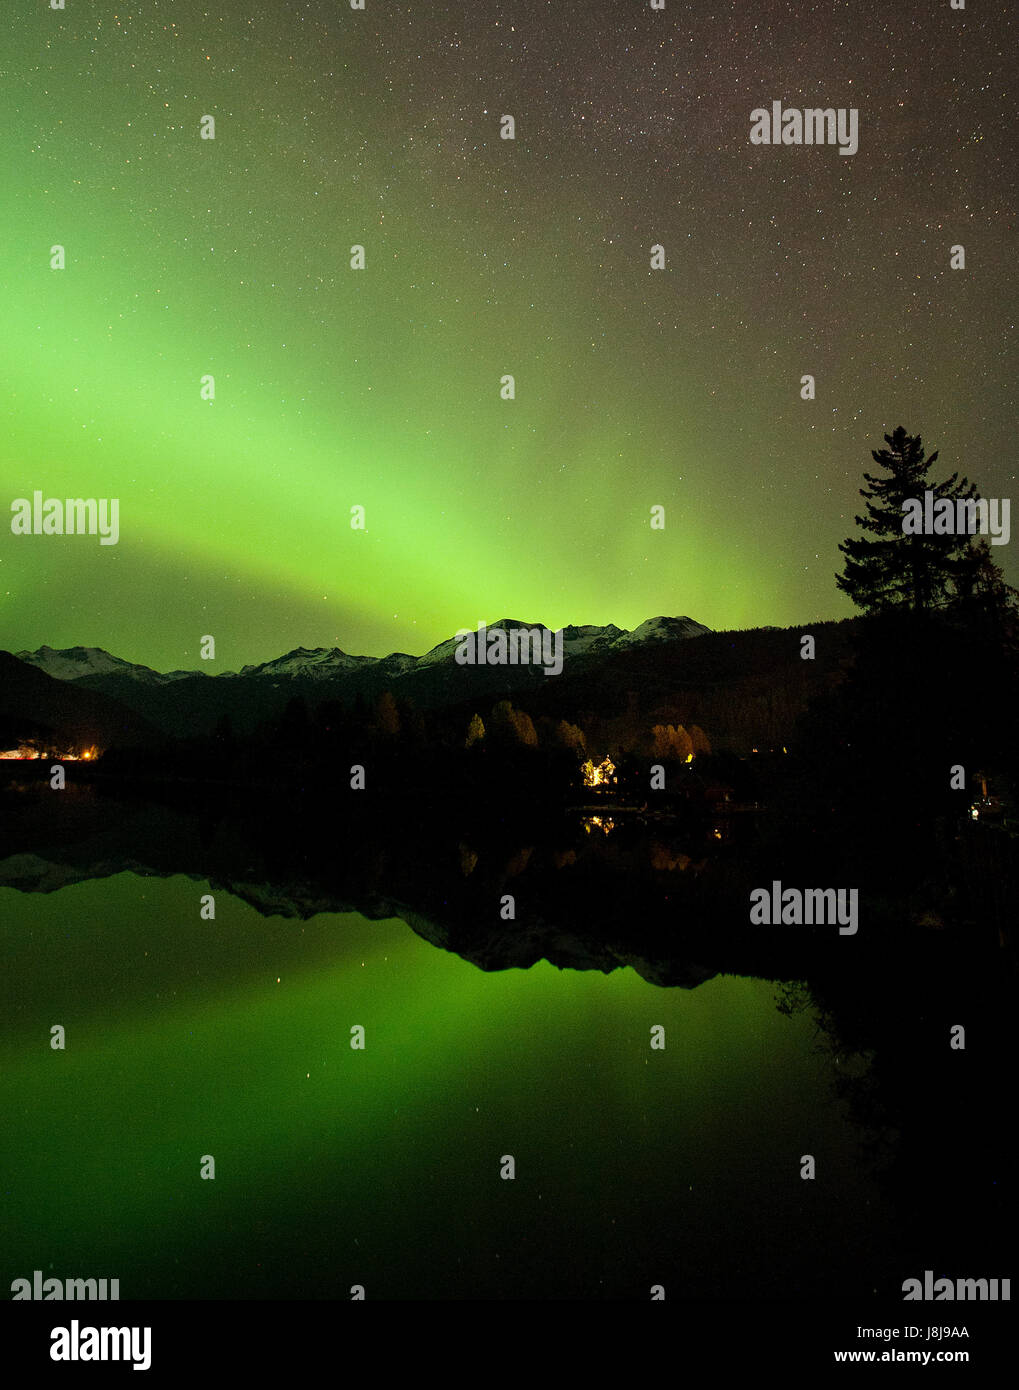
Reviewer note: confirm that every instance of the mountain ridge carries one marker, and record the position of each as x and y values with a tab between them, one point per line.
328	663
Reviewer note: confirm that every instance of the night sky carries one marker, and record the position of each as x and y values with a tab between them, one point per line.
484	256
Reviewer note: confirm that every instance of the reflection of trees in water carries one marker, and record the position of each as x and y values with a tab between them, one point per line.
930	1117
854	1077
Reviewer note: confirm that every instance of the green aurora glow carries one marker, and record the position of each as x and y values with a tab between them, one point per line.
381	388
232	1038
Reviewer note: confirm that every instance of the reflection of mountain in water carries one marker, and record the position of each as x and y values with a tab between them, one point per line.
673	912
570	897
670	904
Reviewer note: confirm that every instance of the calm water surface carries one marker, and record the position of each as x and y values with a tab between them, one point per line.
381	1167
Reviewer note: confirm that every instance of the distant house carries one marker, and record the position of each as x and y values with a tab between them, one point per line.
602	775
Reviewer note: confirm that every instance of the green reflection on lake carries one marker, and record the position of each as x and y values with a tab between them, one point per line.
380	1167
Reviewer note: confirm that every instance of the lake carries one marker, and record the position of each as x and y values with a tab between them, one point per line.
380	1167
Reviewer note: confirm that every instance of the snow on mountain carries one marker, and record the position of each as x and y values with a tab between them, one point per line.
318	663
589	640
328	663
396	663
71	663
660	630
443	652
446	651
586	640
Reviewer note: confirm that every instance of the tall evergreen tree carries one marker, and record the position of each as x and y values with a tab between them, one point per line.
985	601
917	571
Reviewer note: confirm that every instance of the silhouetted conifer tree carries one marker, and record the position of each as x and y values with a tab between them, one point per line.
895	569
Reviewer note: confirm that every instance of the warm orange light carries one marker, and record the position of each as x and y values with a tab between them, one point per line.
601	776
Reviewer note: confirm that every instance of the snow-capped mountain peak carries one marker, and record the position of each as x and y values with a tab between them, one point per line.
72	663
660	630
318	663
580	642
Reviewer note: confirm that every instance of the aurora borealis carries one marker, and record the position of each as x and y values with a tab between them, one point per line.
484	256
436	980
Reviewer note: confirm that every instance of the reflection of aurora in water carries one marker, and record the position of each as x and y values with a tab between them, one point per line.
232	1036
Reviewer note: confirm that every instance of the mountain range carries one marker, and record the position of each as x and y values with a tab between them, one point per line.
744	688
332	663
185	703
